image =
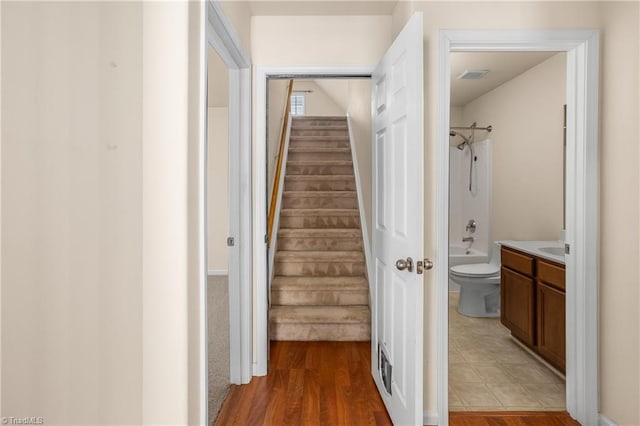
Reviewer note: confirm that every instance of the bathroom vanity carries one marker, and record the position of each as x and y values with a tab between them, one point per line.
532	293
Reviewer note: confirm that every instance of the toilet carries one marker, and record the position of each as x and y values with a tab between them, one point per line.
479	286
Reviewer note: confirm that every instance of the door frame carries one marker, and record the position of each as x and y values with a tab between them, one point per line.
262	74
221	36
582	182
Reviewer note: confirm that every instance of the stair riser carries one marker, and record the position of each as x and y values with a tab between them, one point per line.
320	244
319	143
298	202
319	170
319	132
319	156
319	269
357	332
328	298
297	222
321	185
323	125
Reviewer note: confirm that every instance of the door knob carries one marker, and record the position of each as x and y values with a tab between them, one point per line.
422	265
402	264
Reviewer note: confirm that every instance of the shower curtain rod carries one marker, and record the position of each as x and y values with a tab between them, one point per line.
488	128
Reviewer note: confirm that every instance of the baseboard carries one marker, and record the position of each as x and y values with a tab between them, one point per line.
217	272
605	421
430	418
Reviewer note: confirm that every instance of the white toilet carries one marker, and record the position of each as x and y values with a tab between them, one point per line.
479	286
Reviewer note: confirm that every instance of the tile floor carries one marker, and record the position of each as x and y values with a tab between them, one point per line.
489	372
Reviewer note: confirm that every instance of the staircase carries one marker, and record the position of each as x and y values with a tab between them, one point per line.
319	291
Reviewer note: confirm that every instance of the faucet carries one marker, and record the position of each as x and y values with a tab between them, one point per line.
467	239
471	226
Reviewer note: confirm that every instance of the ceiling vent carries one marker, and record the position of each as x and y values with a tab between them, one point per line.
473	75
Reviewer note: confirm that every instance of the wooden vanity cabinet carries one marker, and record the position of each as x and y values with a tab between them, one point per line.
532	304
550	313
517	305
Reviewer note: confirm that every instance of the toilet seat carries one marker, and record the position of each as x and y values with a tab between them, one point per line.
478	270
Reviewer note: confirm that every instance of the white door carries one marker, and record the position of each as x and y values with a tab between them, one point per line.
397	99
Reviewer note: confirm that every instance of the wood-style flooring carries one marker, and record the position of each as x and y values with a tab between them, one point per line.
330	384
309	383
515	418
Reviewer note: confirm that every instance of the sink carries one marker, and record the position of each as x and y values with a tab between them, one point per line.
556	251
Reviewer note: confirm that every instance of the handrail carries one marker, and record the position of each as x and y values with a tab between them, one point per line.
276	180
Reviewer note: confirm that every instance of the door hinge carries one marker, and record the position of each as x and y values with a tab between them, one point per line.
567	249
230	242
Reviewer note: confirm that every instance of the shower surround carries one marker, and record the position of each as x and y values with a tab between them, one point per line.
469	205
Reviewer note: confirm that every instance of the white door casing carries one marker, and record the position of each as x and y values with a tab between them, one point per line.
398	220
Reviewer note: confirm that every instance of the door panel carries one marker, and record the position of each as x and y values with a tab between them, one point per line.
397	101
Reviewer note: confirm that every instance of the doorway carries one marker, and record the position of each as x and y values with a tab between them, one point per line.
581	202
319	174
506	205
274	81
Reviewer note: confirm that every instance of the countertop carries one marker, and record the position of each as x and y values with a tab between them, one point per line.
533	248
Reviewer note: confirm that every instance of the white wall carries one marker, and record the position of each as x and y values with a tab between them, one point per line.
72	241
218	187
527	139
619	213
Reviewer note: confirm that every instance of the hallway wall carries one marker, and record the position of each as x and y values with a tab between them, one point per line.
72	210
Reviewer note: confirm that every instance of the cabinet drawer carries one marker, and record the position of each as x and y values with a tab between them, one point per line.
552	274
517	261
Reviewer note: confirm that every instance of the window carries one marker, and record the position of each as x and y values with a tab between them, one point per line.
297	103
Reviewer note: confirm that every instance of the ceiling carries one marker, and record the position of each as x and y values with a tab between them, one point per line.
321	8
502	66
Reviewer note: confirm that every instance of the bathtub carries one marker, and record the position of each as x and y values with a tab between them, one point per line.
459	255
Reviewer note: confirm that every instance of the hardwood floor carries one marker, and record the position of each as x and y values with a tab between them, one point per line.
309	383
514	418
330	384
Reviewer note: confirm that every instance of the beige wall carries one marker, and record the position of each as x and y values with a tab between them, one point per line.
72	213
218	187
335	40
527	151
317	102
239	15
277	98
619	274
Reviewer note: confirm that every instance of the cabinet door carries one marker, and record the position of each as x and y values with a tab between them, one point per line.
551	325
517	308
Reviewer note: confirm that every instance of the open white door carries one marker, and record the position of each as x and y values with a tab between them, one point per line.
397	296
